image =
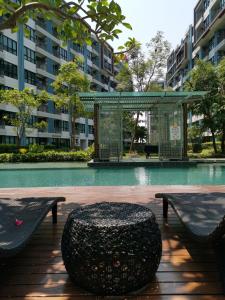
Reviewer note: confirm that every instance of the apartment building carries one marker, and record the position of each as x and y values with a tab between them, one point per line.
209	30
31	58
205	39
180	62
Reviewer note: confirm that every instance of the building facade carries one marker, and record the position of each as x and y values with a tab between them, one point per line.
204	40
180	62
31	58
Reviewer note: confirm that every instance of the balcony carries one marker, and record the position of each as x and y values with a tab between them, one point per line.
41	43
42	66
41	85
43	108
41	22
57	130
56	52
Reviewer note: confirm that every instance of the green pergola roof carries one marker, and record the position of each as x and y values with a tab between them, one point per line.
137	100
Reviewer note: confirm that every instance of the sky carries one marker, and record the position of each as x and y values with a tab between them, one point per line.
173	17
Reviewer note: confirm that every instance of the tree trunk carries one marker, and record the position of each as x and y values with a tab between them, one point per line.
135	130
214	141
73	133
223	140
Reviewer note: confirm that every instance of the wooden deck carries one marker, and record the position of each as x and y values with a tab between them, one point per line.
186	271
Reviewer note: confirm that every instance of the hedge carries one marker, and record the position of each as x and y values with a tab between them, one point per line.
49	156
8	148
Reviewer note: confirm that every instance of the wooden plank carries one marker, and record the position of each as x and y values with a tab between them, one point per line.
39	279
173	288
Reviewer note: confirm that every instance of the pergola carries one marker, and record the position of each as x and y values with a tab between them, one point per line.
167	120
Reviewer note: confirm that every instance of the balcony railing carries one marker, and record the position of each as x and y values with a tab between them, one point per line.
55	52
42	66
43	108
41	23
57	130
41	44
41	86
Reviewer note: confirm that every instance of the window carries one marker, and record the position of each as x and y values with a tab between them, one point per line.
8	44
8	69
29	55
78	48
55	69
63	53
90	129
30	33
206	22
30	77
82	128
206	4
65	126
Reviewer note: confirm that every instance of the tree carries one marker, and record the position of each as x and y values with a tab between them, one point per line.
204	78
220	105
68	83
124	79
72	17
25	102
147	69
141	134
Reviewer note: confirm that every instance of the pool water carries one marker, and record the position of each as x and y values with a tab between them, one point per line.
202	174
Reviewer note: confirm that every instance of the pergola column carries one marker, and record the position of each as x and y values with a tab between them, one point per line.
96	133
185	134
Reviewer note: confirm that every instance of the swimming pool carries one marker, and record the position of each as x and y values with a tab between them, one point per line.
202	174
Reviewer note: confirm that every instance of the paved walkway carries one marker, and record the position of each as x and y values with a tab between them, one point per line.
91	194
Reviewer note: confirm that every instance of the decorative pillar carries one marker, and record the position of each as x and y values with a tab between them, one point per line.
185	136
96	133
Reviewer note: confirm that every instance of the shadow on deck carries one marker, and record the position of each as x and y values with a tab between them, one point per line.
186	271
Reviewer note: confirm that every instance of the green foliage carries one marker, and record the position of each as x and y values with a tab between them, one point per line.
35	148
25	102
50	156
196	147
8	148
72	17
195	134
206	77
141	134
143	71
125	80
68	83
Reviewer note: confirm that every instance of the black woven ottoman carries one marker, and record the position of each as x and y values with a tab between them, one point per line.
111	248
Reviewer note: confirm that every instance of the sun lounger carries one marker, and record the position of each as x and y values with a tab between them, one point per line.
19	218
203	215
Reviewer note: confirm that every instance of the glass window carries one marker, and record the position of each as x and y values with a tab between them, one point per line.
8	69
30	77
82	128
30	33
29	55
8	44
63	53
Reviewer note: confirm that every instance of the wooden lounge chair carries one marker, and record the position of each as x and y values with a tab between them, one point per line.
19	218
203	215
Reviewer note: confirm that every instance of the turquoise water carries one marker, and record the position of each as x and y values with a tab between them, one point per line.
200	175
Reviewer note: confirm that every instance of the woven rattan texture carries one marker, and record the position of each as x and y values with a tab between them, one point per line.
111	248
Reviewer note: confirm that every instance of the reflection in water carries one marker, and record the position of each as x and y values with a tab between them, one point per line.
200	175
141	176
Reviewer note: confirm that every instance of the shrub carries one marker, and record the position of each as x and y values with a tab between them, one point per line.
196	147
35	148
49	156
8	148
23	150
